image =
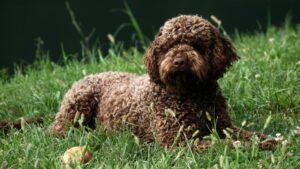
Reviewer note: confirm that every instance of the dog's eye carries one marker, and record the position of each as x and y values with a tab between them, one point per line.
199	49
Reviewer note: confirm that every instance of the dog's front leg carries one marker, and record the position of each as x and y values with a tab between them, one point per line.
264	142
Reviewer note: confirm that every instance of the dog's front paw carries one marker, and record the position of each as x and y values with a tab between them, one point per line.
268	144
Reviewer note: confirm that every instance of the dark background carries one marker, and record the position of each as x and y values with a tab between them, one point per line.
22	21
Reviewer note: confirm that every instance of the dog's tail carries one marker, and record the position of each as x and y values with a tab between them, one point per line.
6	125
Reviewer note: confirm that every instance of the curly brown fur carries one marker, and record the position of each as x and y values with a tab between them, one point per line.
179	94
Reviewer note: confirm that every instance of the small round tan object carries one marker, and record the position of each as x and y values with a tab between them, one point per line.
75	155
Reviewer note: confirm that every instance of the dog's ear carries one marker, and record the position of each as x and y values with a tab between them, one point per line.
150	61
151	57
224	54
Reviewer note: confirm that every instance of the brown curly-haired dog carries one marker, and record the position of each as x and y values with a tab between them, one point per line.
180	98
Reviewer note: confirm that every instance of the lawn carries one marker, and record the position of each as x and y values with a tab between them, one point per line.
263	84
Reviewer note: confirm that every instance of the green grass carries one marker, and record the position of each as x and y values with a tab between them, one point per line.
265	82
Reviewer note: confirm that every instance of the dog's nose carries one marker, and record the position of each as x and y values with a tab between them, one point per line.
180	62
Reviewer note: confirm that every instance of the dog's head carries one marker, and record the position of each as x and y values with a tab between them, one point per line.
188	51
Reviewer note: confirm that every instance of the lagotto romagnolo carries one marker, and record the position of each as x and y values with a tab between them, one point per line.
180	93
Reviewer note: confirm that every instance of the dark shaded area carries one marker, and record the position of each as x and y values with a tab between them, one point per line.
24	21
6	125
